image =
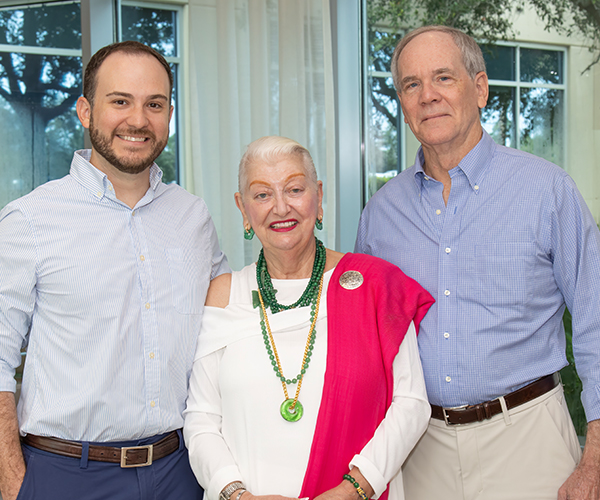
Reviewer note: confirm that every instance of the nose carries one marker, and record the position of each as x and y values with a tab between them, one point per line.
429	93
137	117
281	205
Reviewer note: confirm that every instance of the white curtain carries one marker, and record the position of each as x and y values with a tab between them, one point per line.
257	67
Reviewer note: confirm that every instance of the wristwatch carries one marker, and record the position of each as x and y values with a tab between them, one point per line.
229	489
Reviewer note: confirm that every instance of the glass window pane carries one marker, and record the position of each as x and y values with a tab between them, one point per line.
541	123
383	145
499	62
498	117
168	160
541	66
381	48
47	25
38	123
382	157
154	27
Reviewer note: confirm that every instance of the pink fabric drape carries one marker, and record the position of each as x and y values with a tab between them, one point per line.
365	329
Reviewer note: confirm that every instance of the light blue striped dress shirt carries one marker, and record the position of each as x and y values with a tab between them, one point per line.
112	298
513	245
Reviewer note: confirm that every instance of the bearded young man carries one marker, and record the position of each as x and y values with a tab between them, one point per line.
103	275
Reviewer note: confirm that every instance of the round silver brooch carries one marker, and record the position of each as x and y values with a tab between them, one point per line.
350	280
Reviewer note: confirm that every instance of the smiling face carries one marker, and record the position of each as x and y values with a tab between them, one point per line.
281	202
439	100
129	120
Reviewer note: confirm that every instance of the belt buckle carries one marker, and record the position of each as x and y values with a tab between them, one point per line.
462	407
125	449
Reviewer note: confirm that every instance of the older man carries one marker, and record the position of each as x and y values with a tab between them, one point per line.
103	274
503	240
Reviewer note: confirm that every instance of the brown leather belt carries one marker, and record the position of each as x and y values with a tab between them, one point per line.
483	411
128	456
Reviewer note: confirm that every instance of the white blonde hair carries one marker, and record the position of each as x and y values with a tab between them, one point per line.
271	149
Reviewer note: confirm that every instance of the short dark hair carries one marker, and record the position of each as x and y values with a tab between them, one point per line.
472	56
129	47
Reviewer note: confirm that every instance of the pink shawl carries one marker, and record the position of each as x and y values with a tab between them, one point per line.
365	329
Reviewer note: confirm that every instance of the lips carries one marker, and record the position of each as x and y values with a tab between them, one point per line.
432	117
283	225
132	138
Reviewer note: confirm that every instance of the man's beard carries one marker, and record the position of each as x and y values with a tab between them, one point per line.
103	146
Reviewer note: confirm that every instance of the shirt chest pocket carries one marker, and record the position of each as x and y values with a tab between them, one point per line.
503	272
190	277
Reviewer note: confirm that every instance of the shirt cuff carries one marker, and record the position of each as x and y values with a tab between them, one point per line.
371	474
221	479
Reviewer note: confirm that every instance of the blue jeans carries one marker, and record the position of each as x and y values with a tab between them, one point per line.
54	477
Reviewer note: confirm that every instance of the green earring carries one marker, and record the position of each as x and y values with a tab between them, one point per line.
319	223
248	233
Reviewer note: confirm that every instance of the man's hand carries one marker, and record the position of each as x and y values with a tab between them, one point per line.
12	465
584	483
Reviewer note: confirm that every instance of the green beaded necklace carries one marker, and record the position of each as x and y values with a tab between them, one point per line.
265	285
291	409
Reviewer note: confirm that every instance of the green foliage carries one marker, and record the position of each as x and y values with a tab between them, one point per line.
571	382
480	18
489	20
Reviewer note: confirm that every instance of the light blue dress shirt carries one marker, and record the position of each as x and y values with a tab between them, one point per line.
109	302
513	245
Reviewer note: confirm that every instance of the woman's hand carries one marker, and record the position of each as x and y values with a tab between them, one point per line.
249	496
346	490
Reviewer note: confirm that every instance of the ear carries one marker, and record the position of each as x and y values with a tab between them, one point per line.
240	204
483	89
171	114
84	111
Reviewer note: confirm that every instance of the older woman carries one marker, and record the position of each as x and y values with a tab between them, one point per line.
307	379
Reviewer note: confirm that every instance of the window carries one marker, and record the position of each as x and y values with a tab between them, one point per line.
528	83
40	81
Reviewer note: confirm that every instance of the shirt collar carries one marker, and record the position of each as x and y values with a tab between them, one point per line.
96	181
474	165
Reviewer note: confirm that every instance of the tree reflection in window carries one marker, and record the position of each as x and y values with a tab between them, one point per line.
40	81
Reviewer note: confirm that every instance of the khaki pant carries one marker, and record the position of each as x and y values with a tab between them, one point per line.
526	453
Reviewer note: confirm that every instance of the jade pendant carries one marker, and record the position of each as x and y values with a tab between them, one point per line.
291	414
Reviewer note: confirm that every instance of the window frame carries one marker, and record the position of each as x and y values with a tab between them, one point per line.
518	85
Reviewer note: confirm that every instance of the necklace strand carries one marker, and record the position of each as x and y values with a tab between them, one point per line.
265	284
270	341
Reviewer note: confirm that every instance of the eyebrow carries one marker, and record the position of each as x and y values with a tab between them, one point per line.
436	72
130	96
285	180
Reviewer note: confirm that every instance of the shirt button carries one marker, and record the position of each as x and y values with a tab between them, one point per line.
446	293
133	213
153	404
476	188
426	178
99	194
151	355
142	258
448	379
448	250
147	305
110	188
446	335
438	211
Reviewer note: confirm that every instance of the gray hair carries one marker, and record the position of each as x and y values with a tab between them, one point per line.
472	56
271	149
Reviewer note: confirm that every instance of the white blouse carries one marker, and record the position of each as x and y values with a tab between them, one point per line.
233	428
